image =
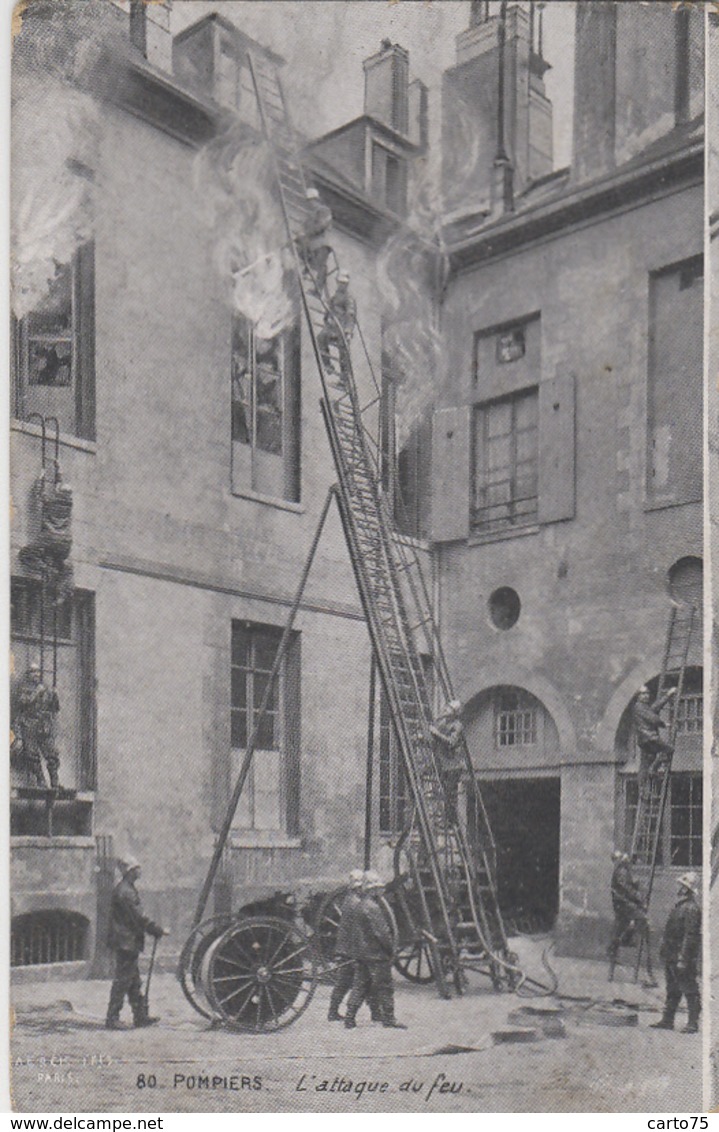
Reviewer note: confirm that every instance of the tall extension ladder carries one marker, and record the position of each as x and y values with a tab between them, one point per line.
653	791
461	922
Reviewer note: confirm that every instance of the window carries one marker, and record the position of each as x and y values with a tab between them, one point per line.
680	842
72	666
515	719
406	475
269	800
690	714
51	936
674	456
505	492
265	412
389	179
54	351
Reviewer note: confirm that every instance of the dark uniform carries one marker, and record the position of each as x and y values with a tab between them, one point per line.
314	242
629	914
448	733
680	953
647	724
48	555
339	326
126	937
373	964
345	948
35	708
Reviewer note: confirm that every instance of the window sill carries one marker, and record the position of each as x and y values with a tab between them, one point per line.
270	501
66	439
64	841
263	839
475	538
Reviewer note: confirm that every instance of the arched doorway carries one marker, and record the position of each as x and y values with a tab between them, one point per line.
680	843
523	801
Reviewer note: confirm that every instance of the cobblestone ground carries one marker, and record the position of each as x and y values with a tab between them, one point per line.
63	1060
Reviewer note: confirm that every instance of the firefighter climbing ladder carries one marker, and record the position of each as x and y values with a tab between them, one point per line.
653	792
461	919
49	441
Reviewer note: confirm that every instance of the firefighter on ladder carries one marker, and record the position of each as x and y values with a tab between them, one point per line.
339	326
449	733
313	244
630	913
49	553
35	709
654	752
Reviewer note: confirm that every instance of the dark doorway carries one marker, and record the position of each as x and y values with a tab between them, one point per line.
524	816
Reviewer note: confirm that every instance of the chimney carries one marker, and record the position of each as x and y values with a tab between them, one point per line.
595	86
386	86
496	117
150	31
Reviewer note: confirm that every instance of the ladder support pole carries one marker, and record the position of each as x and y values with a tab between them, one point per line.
370	761
249	753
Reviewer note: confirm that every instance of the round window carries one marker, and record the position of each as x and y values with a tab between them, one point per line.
504	607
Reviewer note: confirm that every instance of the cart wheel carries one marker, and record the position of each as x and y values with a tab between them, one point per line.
414	962
260	974
188	970
327	924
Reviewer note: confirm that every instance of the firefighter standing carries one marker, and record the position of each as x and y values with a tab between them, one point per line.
128	925
345	944
680	952
373	964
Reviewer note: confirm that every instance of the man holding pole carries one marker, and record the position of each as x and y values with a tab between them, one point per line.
128	925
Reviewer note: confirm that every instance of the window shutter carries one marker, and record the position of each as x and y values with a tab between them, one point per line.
556	449
292	712
450	474
85	299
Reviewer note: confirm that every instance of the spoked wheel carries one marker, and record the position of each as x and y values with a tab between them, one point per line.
191	958
259	975
414	962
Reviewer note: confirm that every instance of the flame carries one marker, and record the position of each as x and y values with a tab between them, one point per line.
235	177
51	211
55	123
411	269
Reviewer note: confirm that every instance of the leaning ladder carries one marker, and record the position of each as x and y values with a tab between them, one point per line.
651	804
462	922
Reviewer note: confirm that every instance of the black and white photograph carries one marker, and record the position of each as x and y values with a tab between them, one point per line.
364	461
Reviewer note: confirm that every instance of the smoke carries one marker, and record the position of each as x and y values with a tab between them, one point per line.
235	180
411	272
55	132
51	204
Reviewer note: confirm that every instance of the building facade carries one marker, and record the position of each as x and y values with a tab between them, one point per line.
556	491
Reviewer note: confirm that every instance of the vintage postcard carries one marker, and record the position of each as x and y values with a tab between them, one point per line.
357	746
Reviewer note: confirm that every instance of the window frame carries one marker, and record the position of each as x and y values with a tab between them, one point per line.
515	520
290	424
285	736
82	335
630	795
